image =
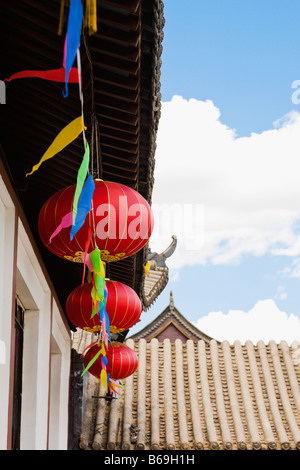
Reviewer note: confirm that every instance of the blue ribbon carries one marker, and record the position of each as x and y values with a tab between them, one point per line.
72	38
84	205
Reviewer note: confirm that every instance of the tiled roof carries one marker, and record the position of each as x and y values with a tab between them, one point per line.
200	395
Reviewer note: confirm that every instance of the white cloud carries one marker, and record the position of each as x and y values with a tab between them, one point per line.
281	294
174	275
293	270
246	189
263	322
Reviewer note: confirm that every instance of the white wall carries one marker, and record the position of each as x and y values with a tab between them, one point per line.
7	231
60	377
34	293
47	341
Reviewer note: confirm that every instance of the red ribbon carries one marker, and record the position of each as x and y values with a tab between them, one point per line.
87	244
88	347
57	75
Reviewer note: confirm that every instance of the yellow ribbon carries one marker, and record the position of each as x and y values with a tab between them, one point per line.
61	16
90	17
64	138
103	379
147	268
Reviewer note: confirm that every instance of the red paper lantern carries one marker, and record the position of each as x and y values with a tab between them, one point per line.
123	307
122	361
122	222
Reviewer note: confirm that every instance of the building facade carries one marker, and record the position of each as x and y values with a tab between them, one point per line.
120	100
35	339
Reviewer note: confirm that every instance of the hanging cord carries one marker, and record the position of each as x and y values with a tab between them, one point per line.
99	170
81	94
84	136
92	144
93	172
91	71
98	151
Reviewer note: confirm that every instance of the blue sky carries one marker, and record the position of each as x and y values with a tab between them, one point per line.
241	56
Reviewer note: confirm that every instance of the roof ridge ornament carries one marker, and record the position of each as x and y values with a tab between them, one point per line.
171	301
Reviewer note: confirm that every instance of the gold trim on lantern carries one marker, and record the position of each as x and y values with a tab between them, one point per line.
113	329
106	256
77	258
95	329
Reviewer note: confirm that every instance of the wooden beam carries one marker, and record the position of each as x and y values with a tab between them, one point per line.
119	135
114	18
115	50
117	144
129	5
114	78
119	116
125	156
113	63
118	126
121	36
117	93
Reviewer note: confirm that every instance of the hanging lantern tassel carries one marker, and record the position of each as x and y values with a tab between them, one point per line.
113	384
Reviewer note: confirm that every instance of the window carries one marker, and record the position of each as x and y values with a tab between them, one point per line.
17	386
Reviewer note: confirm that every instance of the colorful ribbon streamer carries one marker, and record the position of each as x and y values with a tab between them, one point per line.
88	347
92	361
90	16
97	262
147	268
98	279
81	176
66	221
56	75
86	257
72	39
103	378
64	138
84	205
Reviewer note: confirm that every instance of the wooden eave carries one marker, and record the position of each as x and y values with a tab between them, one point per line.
120	77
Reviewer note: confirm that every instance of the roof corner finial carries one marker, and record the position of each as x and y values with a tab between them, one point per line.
171	300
